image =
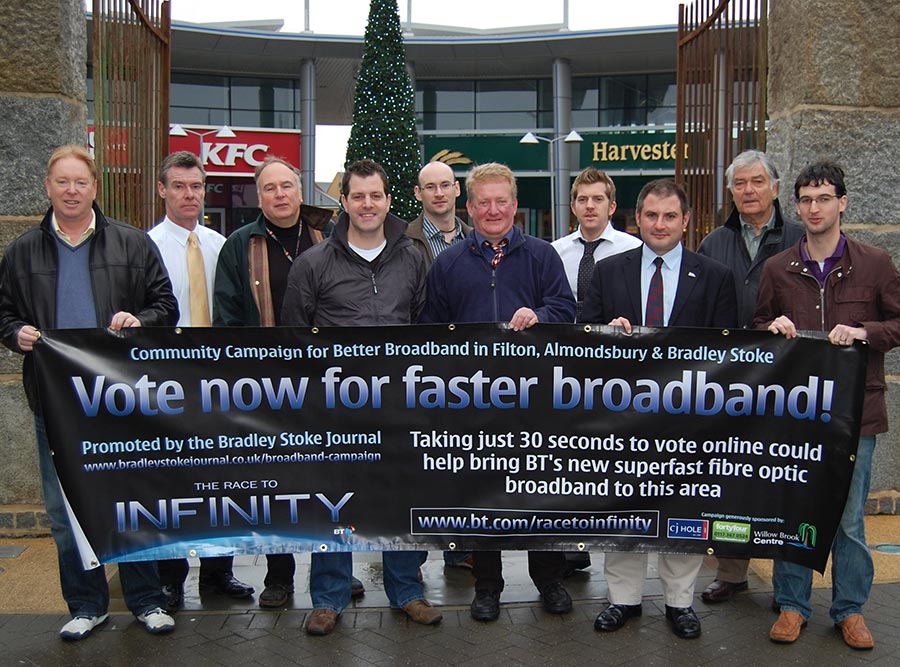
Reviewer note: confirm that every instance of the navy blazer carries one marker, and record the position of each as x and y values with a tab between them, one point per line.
705	296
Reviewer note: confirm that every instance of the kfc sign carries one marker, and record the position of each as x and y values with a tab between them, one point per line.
239	155
234	156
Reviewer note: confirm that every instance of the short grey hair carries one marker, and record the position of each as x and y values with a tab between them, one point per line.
747	159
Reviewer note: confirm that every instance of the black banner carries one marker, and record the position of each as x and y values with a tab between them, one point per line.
201	442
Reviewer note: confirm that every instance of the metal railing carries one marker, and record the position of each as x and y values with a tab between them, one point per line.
131	65
722	63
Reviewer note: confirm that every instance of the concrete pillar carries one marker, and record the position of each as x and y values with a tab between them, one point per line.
308	130
561	153
834	93
42	94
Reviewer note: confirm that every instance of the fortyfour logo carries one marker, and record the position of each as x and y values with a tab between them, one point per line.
730	531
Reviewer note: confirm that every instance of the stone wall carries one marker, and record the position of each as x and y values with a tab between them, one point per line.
42	94
834	93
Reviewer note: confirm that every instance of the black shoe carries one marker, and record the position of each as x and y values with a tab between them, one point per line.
174	597
684	621
485	606
275	595
555	599
614	616
224	583
357	590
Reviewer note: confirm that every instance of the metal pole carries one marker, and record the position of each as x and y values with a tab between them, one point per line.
561	151
308	130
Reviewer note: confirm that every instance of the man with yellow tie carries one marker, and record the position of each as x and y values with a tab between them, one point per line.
190	251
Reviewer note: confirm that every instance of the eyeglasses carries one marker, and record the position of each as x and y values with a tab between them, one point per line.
431	188
821	200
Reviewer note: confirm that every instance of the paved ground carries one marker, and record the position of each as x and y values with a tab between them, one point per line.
214	631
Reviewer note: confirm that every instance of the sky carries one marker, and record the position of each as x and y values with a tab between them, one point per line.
331	141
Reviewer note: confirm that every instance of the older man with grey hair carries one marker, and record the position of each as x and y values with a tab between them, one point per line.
754	232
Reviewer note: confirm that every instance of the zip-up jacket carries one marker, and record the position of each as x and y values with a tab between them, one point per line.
463	287
725	244
862	290
330	285
126	273
242	295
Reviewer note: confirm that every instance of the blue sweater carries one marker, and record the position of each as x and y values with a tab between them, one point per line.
462	286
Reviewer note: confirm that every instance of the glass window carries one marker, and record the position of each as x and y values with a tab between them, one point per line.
585	94
261	94
445	96
504	120
623	100
447	121
545	95
585	118
507	96
198	90
662	99
195	116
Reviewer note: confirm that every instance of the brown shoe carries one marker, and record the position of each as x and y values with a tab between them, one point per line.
856	634
422	611
722	591
321	621
787	628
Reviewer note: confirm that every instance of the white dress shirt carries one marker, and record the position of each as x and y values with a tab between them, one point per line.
172	243
571	250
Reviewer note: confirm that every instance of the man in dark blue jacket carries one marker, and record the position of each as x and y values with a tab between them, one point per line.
499	274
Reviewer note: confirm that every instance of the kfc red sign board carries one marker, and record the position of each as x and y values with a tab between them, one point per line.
232	156
239	155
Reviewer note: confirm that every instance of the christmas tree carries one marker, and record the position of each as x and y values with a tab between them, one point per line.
384	114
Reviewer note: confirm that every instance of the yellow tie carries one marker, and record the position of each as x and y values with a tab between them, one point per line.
197	283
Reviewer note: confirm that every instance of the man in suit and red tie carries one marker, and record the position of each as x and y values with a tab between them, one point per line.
659	284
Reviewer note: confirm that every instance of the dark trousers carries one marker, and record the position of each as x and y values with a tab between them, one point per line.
175	572
544	568
280	570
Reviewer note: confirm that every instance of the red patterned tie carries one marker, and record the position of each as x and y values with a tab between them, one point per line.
654	316
498	249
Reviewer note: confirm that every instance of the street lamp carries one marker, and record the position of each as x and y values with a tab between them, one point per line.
223	132
558	195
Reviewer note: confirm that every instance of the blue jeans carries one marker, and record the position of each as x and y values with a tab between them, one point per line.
852	570
329	578
86	591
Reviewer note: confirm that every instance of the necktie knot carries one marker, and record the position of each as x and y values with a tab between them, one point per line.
499	249
590	246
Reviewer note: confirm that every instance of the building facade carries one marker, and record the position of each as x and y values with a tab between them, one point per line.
477	95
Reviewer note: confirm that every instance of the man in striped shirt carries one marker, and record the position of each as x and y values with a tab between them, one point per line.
437	228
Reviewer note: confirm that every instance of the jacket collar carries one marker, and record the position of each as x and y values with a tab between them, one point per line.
394	230
100	221
734	220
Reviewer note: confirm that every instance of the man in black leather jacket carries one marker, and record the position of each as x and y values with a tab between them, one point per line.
79	269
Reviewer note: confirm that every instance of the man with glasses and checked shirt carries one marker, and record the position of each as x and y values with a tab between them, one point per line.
437	227
829	282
